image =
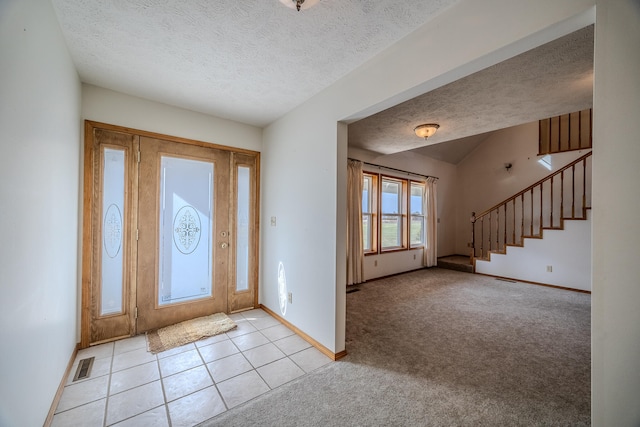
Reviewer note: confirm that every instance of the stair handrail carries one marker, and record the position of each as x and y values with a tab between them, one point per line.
504	204
532	186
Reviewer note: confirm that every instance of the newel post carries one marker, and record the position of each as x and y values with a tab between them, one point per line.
473	238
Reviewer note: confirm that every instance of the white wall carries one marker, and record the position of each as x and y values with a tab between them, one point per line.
484	182
300	151
381	265
615	313
299	182
567	251
107	106
39	194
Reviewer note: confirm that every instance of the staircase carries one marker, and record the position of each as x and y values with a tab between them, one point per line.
546	205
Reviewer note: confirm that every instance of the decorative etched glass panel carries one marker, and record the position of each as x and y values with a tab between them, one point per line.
186	222
242	231
112	232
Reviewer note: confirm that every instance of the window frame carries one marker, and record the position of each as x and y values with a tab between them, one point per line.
373	215
401	215
423	216
404	215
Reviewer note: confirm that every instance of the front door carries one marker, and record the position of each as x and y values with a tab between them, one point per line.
170	232
183	240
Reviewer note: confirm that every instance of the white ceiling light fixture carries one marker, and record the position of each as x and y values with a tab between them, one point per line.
299	4
426	130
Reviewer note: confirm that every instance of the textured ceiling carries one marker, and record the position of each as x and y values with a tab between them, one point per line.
553	79
251	61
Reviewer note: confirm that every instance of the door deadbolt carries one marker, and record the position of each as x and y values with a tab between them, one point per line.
224	233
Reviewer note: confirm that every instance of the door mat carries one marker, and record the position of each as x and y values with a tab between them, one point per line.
188	331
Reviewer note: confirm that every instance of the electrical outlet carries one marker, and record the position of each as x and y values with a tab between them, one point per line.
375	263
273	221
414	256
549	268
290	297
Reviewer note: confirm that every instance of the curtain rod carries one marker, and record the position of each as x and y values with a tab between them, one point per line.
394	169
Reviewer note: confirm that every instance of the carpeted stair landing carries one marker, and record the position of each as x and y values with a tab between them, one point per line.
456	262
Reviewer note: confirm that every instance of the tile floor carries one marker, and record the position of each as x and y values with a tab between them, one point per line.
187	385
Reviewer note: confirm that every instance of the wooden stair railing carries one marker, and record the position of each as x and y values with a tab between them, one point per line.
564	194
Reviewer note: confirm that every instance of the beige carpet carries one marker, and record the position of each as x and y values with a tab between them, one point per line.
443	348
188	331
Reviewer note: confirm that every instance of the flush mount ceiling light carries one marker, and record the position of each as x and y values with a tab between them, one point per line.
299	4
426	130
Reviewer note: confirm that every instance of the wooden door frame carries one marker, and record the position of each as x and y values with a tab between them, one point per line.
88	200
239	160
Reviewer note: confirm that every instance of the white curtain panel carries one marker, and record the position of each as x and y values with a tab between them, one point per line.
431	219
355	254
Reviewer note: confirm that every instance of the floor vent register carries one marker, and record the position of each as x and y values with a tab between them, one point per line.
84	369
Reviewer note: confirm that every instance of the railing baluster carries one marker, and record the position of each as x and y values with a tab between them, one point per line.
473	237
522	219
569	132
504	247
551	220
489	231
498	227
482	239
559	136
531	234
540	227
552	128
561	196
573	192
584	188
498	230
513	240
580	130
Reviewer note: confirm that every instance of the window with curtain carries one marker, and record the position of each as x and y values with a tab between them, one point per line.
398	214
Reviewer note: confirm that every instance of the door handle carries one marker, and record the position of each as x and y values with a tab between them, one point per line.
224	245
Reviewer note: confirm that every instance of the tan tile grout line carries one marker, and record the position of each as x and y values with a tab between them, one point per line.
211	376
106	402
164	393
